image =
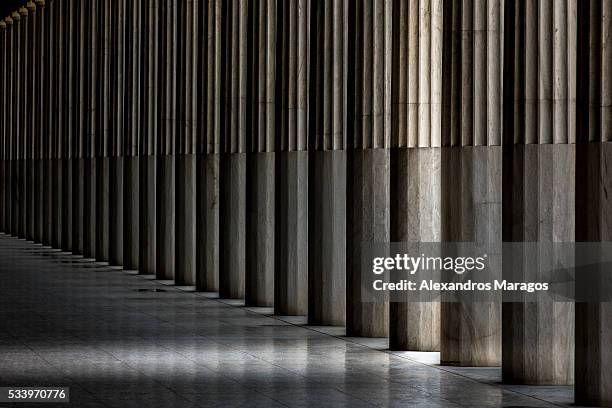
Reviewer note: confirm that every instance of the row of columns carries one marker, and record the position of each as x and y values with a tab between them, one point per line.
252	147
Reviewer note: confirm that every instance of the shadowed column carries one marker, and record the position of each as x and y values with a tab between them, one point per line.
103	131
149	147
166	190
327	166
186	139
291	252
593	365
369	124
79	122
134	106
3	124
472	175
538	196
232	171
89	161
261	156
116	131
415	157
208	125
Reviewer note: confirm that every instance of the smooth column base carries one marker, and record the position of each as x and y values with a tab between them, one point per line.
291	278
165	261
260	229
148	214
78	187
131	209
115	228
538	338
367	222
185	220
470	332
327	240
415	217
207	220
232	226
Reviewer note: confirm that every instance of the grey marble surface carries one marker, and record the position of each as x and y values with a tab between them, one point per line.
73	322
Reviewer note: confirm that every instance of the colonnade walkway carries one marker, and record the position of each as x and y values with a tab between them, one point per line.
119	339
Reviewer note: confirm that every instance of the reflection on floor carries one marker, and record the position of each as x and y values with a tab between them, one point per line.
116	343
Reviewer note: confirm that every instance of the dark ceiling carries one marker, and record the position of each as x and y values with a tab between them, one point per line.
8	6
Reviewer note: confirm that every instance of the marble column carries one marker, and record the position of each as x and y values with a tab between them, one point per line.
593	365
415	157
232	168
57	132
79	43
30	121
148	161
8	115
207	161
186	140
16	171
102	139
538	186
67	100
116	130
3	124
368	159
327	165
89	145
471	172
133	133
291	252
166	176
37	42
261	157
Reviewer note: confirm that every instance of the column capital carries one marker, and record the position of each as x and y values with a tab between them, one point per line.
23	11
40	3
31	6
8	20
16	16
2	25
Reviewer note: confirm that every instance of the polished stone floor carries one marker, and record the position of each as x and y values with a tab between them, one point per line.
101	331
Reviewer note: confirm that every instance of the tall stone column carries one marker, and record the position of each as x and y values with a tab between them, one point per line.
291	234
23	128
538	174
30	121
232	169
116	130
368	159
3	124
91	118
471	173
185	158
149	147
37	115
593	203
166	190
208	125
102	140
65	98
16	170
261	157
134	106
416	157
57	132
327	165
79	43
8	115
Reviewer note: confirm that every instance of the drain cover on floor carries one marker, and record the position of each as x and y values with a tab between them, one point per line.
149	290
